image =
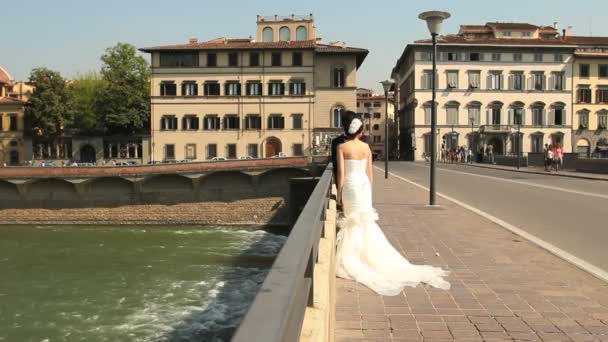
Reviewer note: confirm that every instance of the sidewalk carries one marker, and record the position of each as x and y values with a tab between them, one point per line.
503	287
537	170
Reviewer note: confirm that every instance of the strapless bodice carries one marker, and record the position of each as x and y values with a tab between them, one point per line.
354	169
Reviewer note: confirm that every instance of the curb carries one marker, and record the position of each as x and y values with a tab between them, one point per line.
531	172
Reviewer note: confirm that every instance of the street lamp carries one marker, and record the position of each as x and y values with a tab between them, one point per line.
387	86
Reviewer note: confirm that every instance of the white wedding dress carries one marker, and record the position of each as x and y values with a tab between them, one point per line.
364	254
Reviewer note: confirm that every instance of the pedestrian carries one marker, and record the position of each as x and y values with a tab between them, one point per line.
491	153
550	158
559	157
546	157
470	153
346	119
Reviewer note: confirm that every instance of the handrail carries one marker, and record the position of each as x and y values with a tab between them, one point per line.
277	311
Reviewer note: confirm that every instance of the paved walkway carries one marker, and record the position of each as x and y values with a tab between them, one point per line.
503	287
538	170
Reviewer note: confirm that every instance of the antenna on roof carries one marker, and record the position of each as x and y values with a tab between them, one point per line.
590	26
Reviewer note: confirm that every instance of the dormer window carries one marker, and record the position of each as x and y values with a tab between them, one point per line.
526	34
507	33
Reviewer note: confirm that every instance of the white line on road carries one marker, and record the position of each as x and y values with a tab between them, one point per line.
596	271
549	187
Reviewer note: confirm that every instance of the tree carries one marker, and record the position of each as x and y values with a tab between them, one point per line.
46	112
124	102
83	94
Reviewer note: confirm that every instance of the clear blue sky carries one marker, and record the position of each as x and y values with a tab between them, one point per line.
70	35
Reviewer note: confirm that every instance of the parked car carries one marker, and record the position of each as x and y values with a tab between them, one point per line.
246	157
47	164
280	155
122	163
218	159
154	162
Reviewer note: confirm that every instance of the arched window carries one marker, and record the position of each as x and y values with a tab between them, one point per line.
517	113
284	34
337	117
474	108
339	77
376	127
301	33
495	113
602	119
557	116
583	119
267	34
583	148
428	107
452	112
538	114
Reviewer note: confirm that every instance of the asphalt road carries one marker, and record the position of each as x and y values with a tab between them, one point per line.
570	213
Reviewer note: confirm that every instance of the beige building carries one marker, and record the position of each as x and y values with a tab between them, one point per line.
283	92
373	108
493	81
12	147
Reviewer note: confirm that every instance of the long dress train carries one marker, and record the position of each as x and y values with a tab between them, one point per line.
363	252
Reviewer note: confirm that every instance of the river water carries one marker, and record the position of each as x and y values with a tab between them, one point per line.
129	283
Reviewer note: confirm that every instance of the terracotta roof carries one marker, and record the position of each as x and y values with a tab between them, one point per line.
475	28
513	26
547	29
583	40
4	76
238	44
456	39
9	100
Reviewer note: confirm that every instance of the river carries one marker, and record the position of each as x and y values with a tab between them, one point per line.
129	283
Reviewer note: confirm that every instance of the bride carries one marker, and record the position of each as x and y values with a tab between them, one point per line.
364	254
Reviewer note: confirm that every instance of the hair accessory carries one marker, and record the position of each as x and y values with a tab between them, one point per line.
354	126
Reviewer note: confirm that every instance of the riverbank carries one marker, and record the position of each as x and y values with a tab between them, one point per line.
258	211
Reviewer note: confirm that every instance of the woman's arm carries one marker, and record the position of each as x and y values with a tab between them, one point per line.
370	171
340	173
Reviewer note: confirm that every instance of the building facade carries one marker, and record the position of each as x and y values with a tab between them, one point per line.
281	94
12	147
500	87
373	109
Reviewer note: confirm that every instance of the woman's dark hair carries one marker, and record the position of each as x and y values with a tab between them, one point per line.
347	123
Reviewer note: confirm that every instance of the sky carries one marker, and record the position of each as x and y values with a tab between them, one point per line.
70	35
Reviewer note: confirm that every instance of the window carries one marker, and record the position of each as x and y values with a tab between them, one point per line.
296	59
496	57
367	115
231	151
516	146
377	115
516	81
559	118
538	80
254	59
190	123
297	121
377	139
426	56
538	115
169	152
474	56
495	114
558	57
168	123
538	57
284	34
297	88
474	77
211	122
276	59
583	119
253	121
584	70
428	108
517	118
212	88
558	81
517	57
537	143
427	79
602	120
452	78
254	88
189	88
339	78
252	151
168	88
301	33
276	121
211	151
377	104
179	59
557	138
190	151
337	117
233	59
1	124
298	150
231	122
583	95
211	59
452	114
495	80
376	127
474	113
276	88
602	70
507	33
453	56
427	143
267	34
12	124
232	88
527	34
601	95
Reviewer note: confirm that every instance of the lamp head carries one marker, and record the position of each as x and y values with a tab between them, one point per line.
433	20
387	85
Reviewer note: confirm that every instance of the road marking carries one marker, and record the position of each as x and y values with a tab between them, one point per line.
548	187
580	263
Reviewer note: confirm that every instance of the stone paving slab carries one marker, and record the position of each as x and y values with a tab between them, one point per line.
503	287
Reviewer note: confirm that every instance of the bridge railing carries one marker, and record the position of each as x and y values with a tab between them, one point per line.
278	310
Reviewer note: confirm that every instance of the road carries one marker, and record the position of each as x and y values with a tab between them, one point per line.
569	213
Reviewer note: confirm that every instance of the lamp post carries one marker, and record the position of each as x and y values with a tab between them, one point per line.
387	86
433	21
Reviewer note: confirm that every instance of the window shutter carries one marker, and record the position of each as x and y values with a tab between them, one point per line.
544	86
184	123
564	117
530	83
183	89
282	88
501	79
489	81
511	117
552	82
510	82
488	116
423	81
303	88
163	124
551	117
291	88
543	119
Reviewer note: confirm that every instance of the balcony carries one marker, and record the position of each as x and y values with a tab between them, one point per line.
495	129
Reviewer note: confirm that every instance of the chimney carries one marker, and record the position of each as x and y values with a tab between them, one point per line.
555	24
193	40
563	33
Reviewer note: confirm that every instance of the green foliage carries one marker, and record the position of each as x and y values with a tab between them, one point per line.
82	94
46	112
124	101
